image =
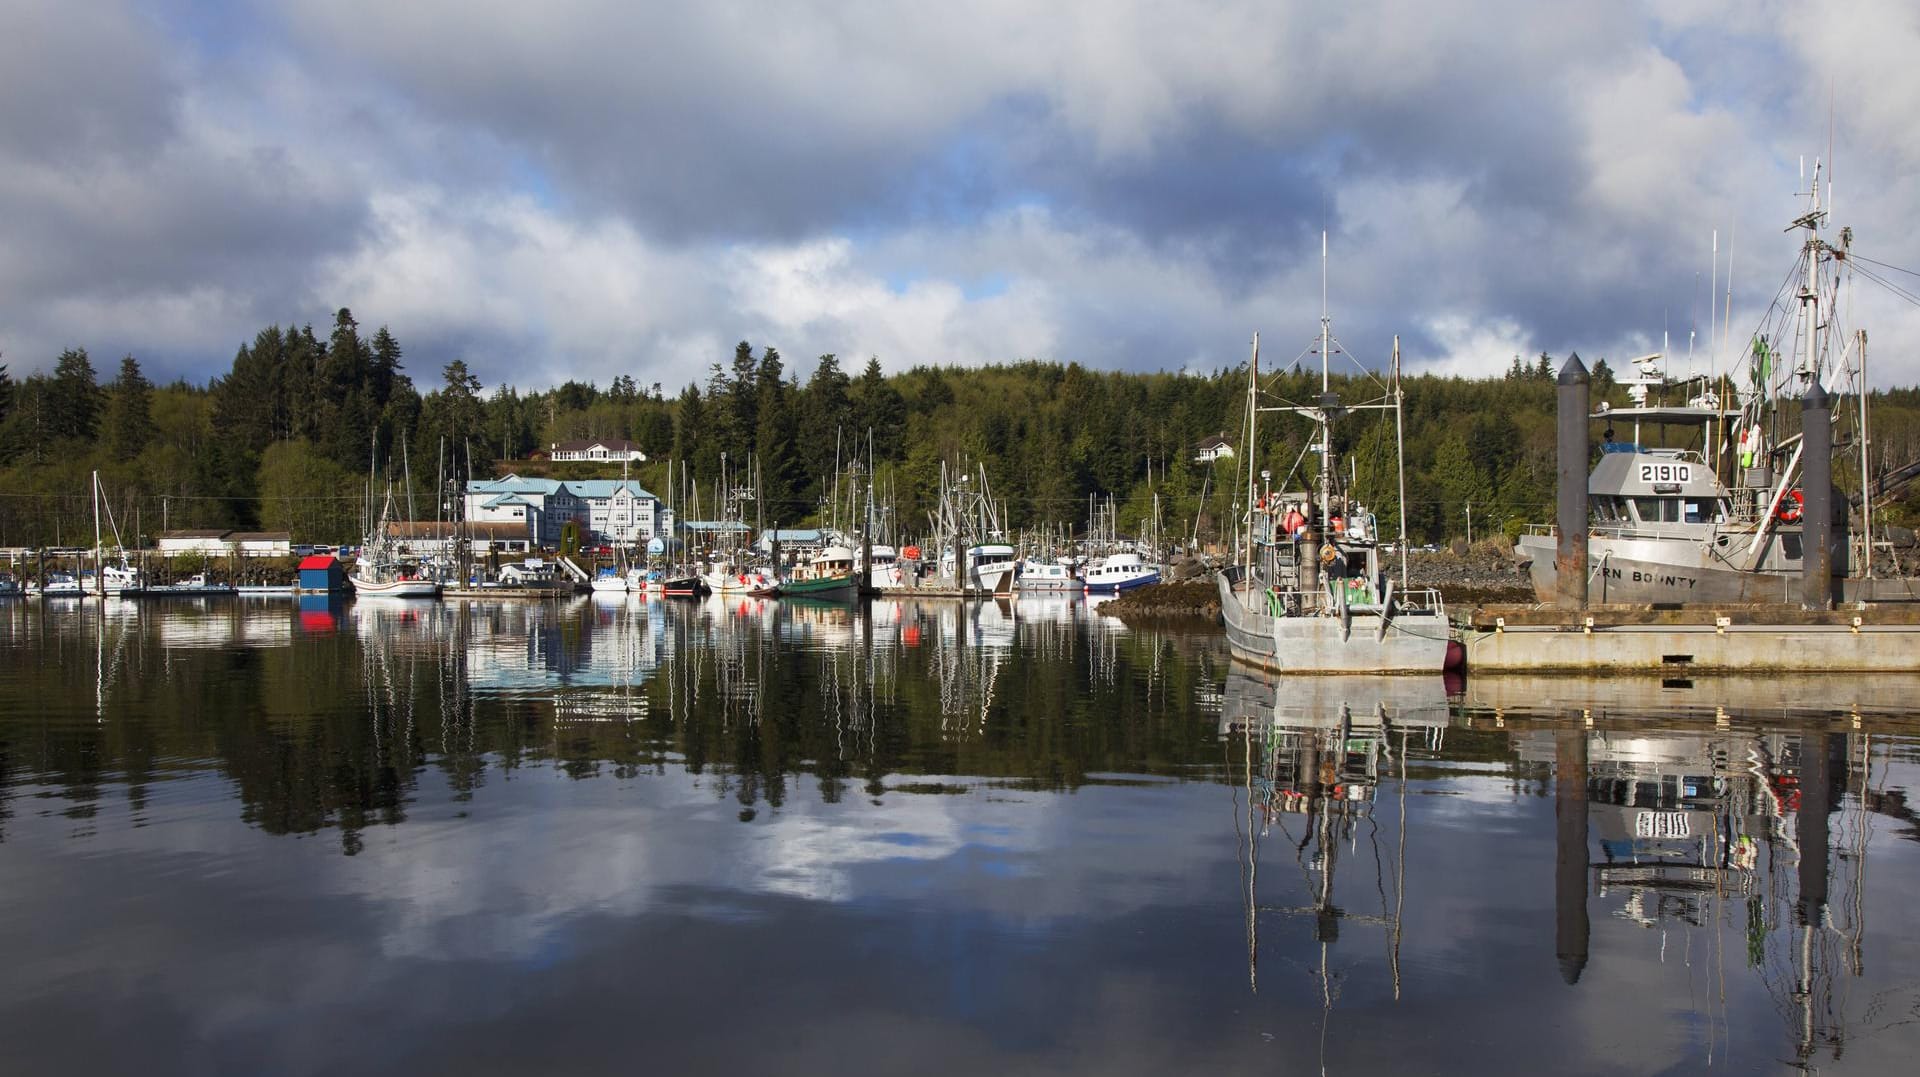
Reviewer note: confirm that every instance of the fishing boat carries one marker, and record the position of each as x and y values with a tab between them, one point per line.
1699	499
966	522
829	575
1118	572
1047	577
380	572
1310	590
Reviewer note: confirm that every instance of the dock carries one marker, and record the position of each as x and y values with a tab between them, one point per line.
1684	640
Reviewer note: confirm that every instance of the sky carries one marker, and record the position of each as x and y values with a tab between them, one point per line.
588	188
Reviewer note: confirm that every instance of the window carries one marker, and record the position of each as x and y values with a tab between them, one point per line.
1695	512
1647	509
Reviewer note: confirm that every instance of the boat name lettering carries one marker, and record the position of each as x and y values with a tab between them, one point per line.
1666	473
1639	576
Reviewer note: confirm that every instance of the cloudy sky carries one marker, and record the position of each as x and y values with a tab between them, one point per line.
584	188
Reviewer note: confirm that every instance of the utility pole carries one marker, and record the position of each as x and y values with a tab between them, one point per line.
1469	523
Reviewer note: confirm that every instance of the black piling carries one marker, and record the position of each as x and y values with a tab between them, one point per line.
1811	826
1570	925
1570	552
1816	486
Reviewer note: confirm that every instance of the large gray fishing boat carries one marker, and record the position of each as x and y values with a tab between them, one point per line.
1717	518
1310	590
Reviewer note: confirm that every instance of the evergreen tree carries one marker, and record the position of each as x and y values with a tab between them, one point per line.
73	398
384	374
826	423
743	392
878	407
773	441
130	411
6	392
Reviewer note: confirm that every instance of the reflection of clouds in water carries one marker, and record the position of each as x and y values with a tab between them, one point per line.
542	854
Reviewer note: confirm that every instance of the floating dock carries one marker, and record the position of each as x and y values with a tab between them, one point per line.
1683	640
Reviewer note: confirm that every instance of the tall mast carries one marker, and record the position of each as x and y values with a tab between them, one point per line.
99	566
1253	467
1326	423
1400	459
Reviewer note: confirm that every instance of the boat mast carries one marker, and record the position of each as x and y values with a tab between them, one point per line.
99	565
1253	411
1400	459
1326	425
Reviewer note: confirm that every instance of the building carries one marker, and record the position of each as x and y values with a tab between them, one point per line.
429	538
613	450
261	543
797	544
322	574
220	543
176	543
609	511
1214	448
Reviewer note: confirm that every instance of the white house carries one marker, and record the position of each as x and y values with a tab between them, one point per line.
1214	448
611	449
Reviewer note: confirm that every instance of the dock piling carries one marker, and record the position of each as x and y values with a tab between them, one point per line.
1570	550
1816	487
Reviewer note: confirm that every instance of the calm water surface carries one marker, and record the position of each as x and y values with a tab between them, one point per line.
751	837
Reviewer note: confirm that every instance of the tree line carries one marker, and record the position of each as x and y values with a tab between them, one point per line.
285	439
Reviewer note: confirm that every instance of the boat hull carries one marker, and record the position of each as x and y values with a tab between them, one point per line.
1414	641
1668	572
830	587
1114	587
394	588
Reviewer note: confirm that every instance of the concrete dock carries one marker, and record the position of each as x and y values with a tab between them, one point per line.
1677	641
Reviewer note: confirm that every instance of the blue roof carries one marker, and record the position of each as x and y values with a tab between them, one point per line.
600	488
580	488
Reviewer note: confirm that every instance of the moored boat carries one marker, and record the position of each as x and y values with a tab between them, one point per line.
828	576
1309	591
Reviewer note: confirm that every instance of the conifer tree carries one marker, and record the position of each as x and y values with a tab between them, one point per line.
129	411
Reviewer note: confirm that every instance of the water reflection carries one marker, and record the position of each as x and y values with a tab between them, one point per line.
1016	832
1737	835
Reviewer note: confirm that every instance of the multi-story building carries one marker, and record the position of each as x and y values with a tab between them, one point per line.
609	511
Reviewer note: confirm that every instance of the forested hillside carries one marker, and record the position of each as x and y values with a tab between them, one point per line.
283	439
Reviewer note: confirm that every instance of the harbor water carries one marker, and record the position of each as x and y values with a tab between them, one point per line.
750	836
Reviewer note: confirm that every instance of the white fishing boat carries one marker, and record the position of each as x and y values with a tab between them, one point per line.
1307	595
1047	577
380	571
1717	519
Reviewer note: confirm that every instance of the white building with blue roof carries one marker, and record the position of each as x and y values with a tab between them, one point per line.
609	511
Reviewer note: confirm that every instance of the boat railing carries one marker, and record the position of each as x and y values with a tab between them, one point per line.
1289	603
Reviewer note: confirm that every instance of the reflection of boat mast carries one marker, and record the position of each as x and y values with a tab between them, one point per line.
1329	774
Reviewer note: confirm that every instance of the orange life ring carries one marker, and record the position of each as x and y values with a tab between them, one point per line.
1790	506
